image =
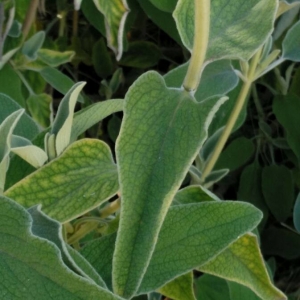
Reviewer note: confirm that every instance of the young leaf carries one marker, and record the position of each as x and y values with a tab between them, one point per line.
55	58
291	43
181	288
237	28
242	262
278	190
32	154
115	13
33	45
219	71
62	125
159	125
26	127
91	115
82	178
35	262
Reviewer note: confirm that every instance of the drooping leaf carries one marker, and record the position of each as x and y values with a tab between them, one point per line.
55	58
79	180
291	43
285	109
236	154
242	262
181	288
40	108
278	191
190	236
115	13
35	264
220	72
158	126
208	287
237	27
93	114
26	127
58	81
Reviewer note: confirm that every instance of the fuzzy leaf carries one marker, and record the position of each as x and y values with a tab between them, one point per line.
79	180
55	58
291	43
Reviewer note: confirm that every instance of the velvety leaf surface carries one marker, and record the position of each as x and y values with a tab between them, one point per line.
93	114
32	268
194	234
159	125
237	27
242	262
26	127
79	180
291	43
181	288
115	13
220	72
55	58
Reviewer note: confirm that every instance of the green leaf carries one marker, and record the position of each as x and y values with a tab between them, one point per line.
165	5
39	107
34	262
62	125
82	178
238	291
58	81
115	13
55	58
282	242
212	288
26	127
237	27
219	71
193	194
291	43
7	56
285	109
158	126
6	130
11	85
93	114
236	154
32	154
296	214
181	288
32	46
278	191
113	127
141	55
242	262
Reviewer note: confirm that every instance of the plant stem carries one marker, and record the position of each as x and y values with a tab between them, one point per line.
234	115
110	208
30	17
201	38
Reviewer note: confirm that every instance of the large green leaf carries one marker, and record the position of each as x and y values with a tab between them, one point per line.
238	291
220	72
291	43
159	125
278	191
165	5
26	127
115	13
79	180
93	114
242	262
237	27
181	288
32	266
286	110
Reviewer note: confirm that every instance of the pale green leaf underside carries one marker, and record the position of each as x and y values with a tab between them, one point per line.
242	263
159	125
190	236
93	114
79	180
218	78
238	27
32	267
291	43
115	13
